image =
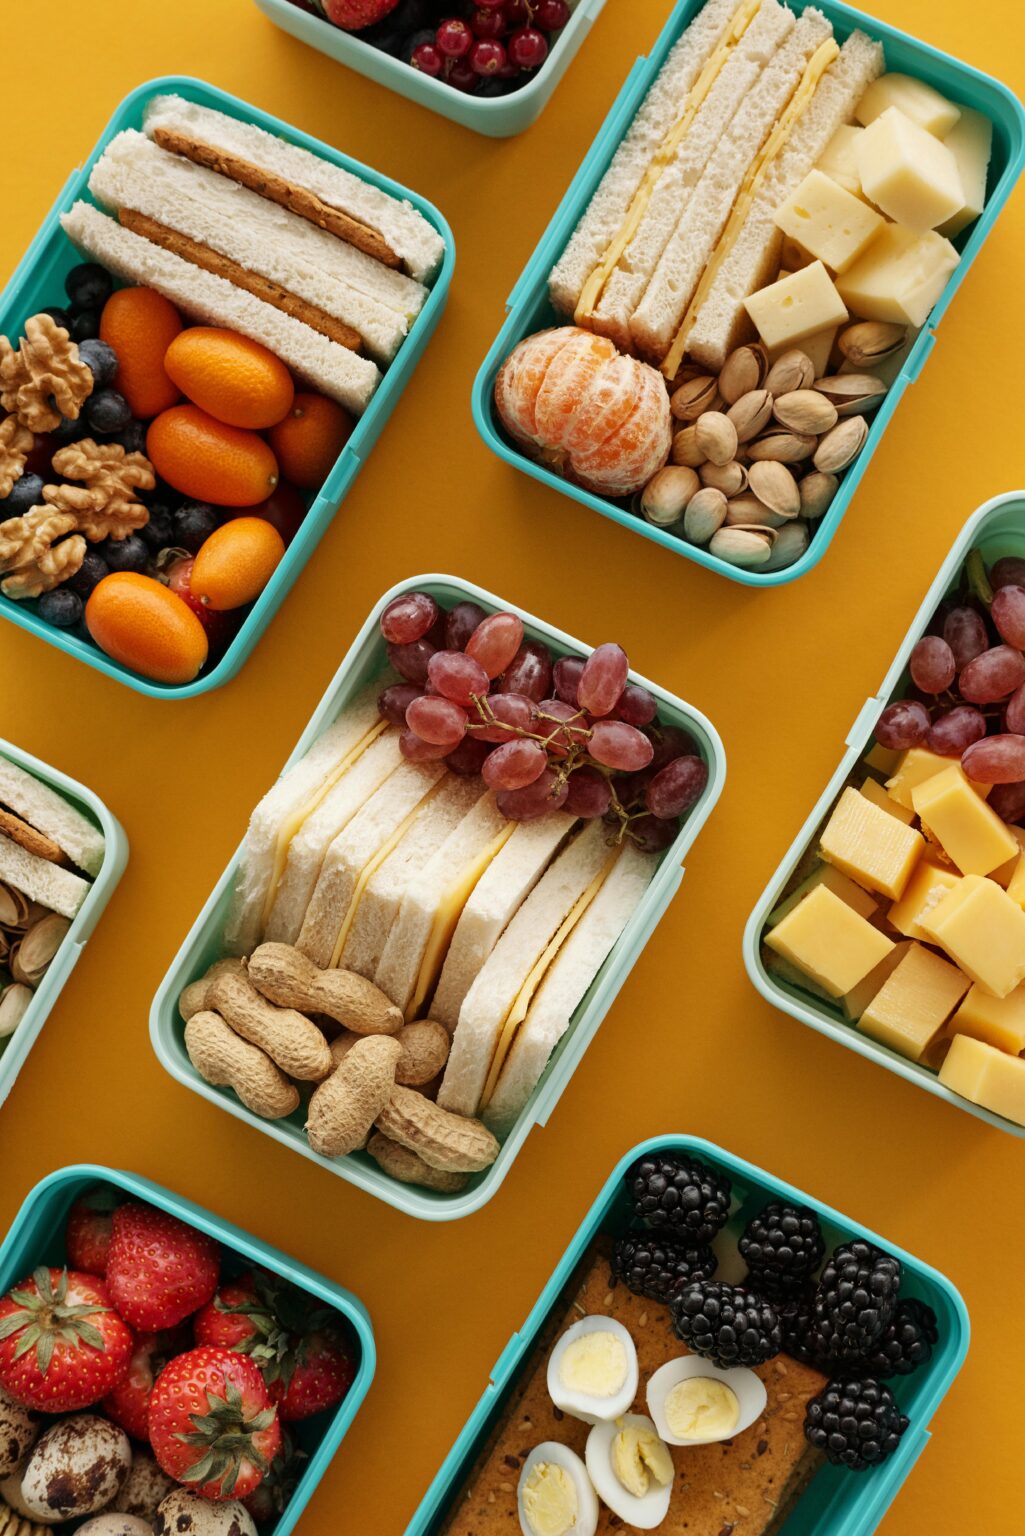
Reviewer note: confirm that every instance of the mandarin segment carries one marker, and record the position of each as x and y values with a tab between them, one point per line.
140	325
234	379
141	624
209	460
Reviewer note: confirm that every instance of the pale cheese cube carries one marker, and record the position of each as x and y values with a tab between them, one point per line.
900	276
967	828
922	103
828	941
839	159
909	174
983	932
874	848
914	1003
792	258
799	306
986	1076
1000	1021
831	223
927	887
970	141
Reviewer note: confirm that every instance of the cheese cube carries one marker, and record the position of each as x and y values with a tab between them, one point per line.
828	941
1006	872
924	105
909	174
1000	1021
788	311
970	141
825	874
986	1076
882	759
839	159
968	829
913	1005
857	1000
792	258
919	764
983	932
789	974
900	276
875	849
927	887
874	791
830	222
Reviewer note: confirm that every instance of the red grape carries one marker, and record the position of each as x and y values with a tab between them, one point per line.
1008	614
517	764
410	661
675	787
902	725
1008	800
537	799
560	738
495	642
408	618
461	623
965	633
670	741
417	750
394	702
652	834
437	720
589	793
631	788
949	734
603	679
509	710
566	675
933	668
993	675
636	705
458	677
618	745
529	672
996	760
1014	714
468	758
1008	572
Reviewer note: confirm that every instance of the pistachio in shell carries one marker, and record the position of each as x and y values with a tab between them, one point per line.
685	448
792	370
743	370
804	410
775	486
664	499
791	543
716	437
37	947
750	414
841	445
694	397
852	393
730	478
782	445
748	512
868	342
743	547
817	491
705	515
14	1002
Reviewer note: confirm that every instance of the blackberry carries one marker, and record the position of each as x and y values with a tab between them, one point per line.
906	1344
856	1423
797	1320
783	1241
782	1290
855	1301
726	1324
682	1194
658	1267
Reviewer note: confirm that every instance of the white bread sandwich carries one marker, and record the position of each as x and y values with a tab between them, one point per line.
548	1010
50	814
41	879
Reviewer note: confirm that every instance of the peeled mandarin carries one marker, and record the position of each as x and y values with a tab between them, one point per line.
236	562
143	625
209	461
236	380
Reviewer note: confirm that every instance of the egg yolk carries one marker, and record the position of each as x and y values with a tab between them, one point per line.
549	1500
701	1408
594	1363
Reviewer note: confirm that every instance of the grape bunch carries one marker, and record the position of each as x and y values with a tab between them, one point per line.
967	699
545	734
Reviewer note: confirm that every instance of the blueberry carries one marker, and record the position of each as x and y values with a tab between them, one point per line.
158	533
193	524
101	361
68	431
133	438
25	494
129	554
108	412
61	608
86	325
88	286
59	317
92	570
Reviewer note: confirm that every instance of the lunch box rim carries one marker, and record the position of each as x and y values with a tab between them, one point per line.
424	1204
345	468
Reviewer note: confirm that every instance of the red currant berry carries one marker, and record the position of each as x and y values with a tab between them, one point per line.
518	13
491	5
551	15
428	59
487	57
528	48
454	38
489	24
463	76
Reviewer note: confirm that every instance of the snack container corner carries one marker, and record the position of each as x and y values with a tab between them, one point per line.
37	282
14	1051
495	117
364	662
34	1238
528	308
836	1502
998	528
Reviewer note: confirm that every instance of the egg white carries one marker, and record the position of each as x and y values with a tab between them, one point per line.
588	1407
586	1522
748	1389
645	1513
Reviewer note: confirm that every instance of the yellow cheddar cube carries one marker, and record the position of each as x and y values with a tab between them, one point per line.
874	848
970	141
1005	874
983	931
924	105
900	276
882	759
789	974
1000	1021
830	223
803	303
874	791
828	941
986	1076
929	884
825	874
839	158
912	1006
918	764
967	828
857	1000
1016	884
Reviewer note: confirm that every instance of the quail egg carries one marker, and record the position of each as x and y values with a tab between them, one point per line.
694	1402
555	1496
19	1429
77	1468
592	1371
631	1469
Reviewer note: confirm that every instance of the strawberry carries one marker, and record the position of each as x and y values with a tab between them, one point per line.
212	1424
62	1345
87	1235
128	1404
321	1376
159	1270
354	15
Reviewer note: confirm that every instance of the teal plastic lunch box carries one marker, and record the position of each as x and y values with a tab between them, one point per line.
529	309
365	661
498	117
16	1047
38	282
997	528
836	1502
35	1237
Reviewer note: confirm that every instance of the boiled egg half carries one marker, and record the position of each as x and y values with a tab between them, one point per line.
694	1402
592	1371
555	1496
631	1469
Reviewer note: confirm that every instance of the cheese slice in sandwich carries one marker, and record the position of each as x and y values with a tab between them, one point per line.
500	892
49	812
551	1007
385	227
433	903
309	846
41	880
283	810
440	813
258	245
487	1019
357	852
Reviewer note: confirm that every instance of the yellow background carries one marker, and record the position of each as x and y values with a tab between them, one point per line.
689	1045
